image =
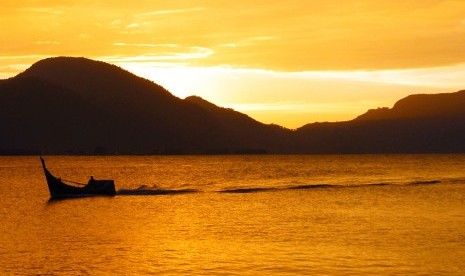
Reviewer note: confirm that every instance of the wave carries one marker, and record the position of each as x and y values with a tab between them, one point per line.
429	182
154	190
334	186
247	190
455	180
312	186
326	186
146	190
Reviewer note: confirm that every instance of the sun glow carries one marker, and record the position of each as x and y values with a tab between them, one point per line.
296	98
283	62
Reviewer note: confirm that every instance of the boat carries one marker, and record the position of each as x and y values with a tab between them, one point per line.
59	189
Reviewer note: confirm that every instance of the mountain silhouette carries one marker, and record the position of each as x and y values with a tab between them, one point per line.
67	105
433	123
245	130
421	106
77	105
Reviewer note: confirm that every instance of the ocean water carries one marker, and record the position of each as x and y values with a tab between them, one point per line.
237	215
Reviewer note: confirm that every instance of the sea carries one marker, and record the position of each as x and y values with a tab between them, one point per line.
237	215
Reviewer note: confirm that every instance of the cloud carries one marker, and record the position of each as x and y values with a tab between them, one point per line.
132	25
21	57
441	76
229	45
250	41
149	45
42	10
291	98
302	107
13	68
287	36
172	11
47	42
174	53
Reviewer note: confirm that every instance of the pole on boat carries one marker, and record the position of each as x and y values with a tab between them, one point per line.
43	161
46	171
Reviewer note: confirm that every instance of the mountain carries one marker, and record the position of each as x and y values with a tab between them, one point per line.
243	128
421	106
77	105
70	105
416	124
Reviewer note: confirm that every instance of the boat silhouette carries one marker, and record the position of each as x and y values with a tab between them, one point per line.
59	189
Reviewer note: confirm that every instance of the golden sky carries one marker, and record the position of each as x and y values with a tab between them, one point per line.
287	62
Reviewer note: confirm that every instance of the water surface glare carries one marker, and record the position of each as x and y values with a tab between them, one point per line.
237	215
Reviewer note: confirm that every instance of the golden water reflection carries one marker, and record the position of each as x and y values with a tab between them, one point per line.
414	229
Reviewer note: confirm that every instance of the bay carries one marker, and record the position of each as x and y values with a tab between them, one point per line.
237	215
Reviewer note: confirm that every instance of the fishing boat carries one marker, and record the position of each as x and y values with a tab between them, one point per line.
59	189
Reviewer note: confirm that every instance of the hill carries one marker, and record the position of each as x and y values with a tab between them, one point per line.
77	105
416	124
70	105
421	106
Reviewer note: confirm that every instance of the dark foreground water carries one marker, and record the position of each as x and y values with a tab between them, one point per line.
238	215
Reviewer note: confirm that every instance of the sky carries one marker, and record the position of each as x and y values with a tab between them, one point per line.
284	62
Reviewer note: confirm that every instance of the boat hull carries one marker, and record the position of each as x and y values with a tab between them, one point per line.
58	189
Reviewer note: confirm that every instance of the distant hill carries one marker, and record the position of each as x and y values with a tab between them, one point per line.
416	124
421	106
70	105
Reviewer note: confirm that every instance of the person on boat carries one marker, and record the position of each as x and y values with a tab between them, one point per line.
91	180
